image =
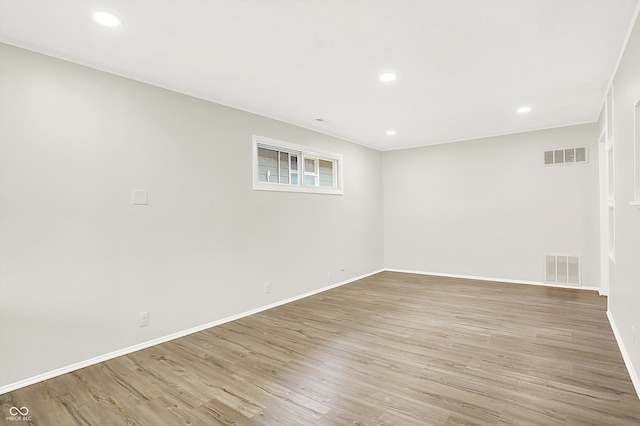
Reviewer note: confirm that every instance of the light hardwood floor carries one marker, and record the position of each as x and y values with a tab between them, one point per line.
397	349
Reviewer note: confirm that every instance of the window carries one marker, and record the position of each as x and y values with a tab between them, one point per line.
283	166
277	166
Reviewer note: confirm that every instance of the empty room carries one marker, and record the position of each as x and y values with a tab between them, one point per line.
320	212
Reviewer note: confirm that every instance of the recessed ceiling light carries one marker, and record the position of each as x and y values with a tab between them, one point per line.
107	19
523	110
391	132
388	76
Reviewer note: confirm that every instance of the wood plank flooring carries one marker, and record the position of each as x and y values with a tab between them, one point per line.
391	349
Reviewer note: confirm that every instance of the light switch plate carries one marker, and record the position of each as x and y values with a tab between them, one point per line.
140	197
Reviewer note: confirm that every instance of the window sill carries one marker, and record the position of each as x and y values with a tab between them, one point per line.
292	188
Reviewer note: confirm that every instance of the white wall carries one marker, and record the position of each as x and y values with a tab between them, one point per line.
624	273
489	208
79	262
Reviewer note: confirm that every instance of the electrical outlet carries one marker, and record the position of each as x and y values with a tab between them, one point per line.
342	266
267	288
143	318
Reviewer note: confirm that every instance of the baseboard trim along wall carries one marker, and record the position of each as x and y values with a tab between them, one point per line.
96	360
500	280
627	359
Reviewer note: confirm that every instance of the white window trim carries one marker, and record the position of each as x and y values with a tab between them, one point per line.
316	173
305	151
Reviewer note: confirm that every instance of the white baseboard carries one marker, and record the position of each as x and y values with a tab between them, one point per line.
500	280
101	358
627	359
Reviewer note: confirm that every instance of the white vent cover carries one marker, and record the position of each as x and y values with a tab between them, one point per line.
566	156
563	269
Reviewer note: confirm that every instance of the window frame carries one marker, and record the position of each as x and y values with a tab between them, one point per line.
315	174
303	153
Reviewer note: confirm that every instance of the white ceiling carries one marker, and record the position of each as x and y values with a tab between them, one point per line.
463	66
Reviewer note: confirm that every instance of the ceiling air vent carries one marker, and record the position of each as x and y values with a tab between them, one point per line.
566	156
562	269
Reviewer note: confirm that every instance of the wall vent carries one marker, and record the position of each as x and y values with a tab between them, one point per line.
563	269
559	156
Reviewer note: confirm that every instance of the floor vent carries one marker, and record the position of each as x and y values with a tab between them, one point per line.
563	269
566	156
